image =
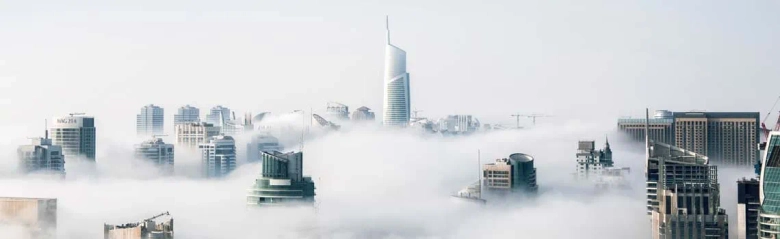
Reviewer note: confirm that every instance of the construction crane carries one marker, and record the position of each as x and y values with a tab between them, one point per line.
777	125
532	116
415	111
155	217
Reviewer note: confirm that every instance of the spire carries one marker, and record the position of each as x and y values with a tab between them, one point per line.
46	129
387	28
607	140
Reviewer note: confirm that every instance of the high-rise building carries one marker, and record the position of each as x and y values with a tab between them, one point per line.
748	205
37	216
281	181
363	114
261	143
156	152
218	156
458	124
146	229
150	121
592	163
218	115
337	111
725	137
186	114
396	109
661	127
769	192
513	174
41	155
190	135
76	135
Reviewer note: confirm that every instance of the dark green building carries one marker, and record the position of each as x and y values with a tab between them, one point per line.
281	181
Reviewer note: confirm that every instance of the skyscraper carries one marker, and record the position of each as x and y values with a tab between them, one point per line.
769	192
76	135
337	111
218	115
156	152
661	127
190	135
725	137
513	174
363	114
592	163
37	216
186	114
397	104
218	156
150	121
748	205
281	181
41	155
261	143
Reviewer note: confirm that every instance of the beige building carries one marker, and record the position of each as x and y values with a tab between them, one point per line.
726	138
146	229
190	135
498	175
37	215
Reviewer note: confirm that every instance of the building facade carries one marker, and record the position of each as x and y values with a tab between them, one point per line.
337	111
190	135
748	205
458	124
661	127
41	155
76	134
150	121
728	138
281	181
769	191
218	115
186	114
261	143
38	216
396	109
592	163
510	175
156	152
363	114
218	156
146	229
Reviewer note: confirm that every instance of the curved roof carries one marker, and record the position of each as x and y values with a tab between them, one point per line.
521	157
363	108
260	117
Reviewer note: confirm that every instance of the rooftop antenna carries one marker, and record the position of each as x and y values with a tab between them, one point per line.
387	28
46	129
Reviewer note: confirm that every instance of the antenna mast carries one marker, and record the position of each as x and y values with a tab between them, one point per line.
387	28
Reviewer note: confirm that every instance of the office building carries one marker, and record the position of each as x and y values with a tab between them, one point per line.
769	192
186	114
281	181
748	205
261	143
363	114
218	156
661	127
157	227
337	111
190	135
458	124
76	134
150	121
156	152
513	174
218	115
37	216
591	163
41	156
396	109
726	138
613	178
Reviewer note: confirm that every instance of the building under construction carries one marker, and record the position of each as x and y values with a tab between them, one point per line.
147	229
38	216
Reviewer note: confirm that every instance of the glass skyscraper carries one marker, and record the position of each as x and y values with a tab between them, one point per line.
396	106
769	191
186	114
150	121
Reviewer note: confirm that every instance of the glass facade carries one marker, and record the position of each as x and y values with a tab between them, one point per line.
769	216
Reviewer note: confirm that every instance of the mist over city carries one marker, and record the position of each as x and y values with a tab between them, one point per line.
403	119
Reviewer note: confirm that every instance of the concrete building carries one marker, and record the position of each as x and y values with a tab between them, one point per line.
41	155
190	135
458	124
396	109
186	115
146	229
748	206
725	137
281	181
592	163
337	111
157	152
661	128
76	134
261	143
218	115
363	114
38	216
513	174
218	156
150	121
769	192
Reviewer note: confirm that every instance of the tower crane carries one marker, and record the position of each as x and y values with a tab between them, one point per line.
155	217
532	116
777	125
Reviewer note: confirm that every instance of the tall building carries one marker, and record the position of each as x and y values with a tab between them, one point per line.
37	216
41	155
261	143
769	192
513	174
156	152
76	135
190	135
337	111
661	127
148	228
592	163
363	114
396	109
458	124
218	115
186	114
281	181
748	205
150	121
726	138
218	156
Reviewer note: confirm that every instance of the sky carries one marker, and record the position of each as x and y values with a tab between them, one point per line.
585	64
